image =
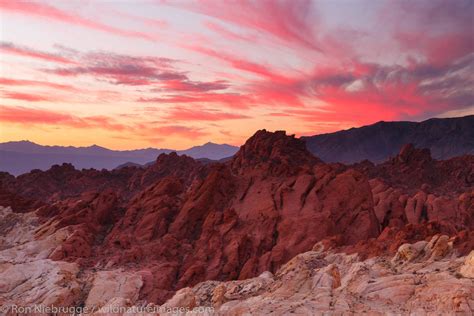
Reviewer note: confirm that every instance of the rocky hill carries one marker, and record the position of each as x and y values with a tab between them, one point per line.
446	138
135	236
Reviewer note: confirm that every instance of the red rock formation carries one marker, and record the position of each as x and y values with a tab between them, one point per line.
274	153
413	169
179	222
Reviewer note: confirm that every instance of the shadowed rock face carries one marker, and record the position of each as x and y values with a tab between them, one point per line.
446	138
414	169
178	222
274	153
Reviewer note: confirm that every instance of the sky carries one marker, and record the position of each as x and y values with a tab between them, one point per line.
174	74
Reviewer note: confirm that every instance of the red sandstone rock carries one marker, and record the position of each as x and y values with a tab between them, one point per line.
178	222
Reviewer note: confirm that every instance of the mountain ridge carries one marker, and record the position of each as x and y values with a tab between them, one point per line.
445	137
18	157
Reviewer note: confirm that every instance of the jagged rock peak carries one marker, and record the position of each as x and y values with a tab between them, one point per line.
64	167
173	163
170	164
173	158
409	154
275	148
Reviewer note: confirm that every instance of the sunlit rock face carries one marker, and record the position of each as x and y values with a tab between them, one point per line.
272	230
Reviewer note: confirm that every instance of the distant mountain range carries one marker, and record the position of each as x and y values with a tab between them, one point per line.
23	156
446	138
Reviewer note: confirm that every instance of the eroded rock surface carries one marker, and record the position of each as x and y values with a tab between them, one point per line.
319	282
246	228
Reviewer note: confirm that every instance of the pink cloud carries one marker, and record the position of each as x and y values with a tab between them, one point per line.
34	116
417	64
226	33
32	53
47	84
185	114
289	21
439	49
177	130
240	63
27	97
232	100
147	130
158	23
104	122
23	115
47	11
122	69
383	92
437	31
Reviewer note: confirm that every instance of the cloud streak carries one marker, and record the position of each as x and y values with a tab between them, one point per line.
46	84
292	22
27	97
11	48
36	116
185	114
42	117
121	69
46	11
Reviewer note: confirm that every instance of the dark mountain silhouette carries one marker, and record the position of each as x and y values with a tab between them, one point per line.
23	156
446	138
210	151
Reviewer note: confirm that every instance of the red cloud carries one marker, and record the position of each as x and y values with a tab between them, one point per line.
28	52
368	93
31	116
241	64
21	82
26	96
49	12
22	115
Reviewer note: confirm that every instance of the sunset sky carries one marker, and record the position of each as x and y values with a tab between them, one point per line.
173	74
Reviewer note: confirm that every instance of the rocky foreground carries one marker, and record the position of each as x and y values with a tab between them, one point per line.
427	277
424	278
274	230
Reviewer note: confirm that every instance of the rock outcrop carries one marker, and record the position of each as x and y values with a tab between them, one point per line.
425	280
139	235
